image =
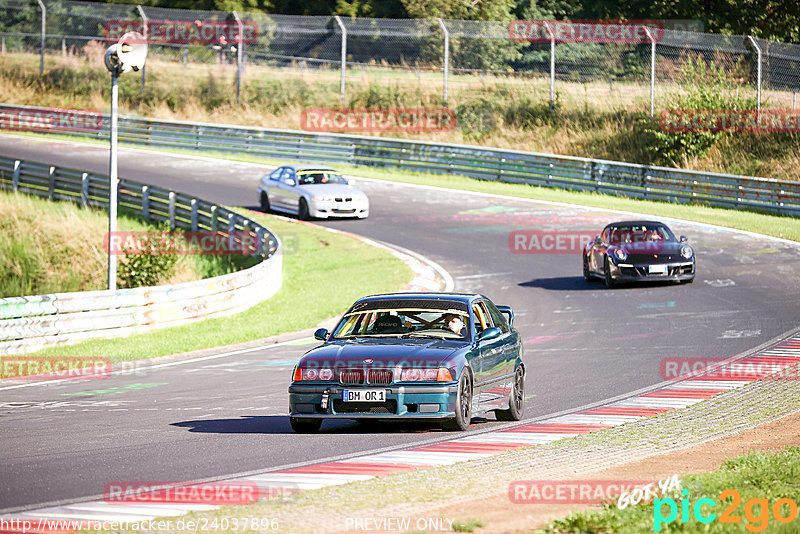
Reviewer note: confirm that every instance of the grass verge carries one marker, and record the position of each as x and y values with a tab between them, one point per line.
323	273
423	492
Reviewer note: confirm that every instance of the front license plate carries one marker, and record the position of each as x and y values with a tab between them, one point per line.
364	395
657	269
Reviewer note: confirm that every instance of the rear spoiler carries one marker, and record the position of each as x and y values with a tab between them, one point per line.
508	311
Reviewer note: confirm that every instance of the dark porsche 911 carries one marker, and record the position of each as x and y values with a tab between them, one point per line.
638	251
412	356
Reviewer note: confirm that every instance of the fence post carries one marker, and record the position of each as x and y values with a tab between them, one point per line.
172	210
231	229
758	79
145	202
652	71
85	189
214	218
552	65
194	215
145	29
4	46
44	22
15	178
185	54
344	54
51	180
63	46
238	54
446	58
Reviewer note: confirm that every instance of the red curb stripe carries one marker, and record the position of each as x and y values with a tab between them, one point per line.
626	410
352	468
726	377
555	428
684	393
471	446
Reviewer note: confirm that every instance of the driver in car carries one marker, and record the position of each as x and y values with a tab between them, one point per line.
455	323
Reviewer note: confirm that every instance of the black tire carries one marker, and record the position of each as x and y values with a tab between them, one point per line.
463	404
516	402
608	280
302	210
587	275
305	426
264	201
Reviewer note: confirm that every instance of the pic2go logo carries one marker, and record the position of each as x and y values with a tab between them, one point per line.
757	521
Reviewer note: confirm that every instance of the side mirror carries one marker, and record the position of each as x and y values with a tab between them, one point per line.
290	182
489	333
321	334
684	239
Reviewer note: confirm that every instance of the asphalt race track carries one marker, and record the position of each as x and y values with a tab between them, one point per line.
214	417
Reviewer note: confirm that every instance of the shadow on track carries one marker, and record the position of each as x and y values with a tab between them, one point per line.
577	283
279	424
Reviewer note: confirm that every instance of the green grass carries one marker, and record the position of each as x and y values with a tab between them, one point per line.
40	240
323	273
755	475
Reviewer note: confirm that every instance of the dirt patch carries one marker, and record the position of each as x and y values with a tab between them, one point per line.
498	514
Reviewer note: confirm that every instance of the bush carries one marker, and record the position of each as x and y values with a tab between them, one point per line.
152	264
707	87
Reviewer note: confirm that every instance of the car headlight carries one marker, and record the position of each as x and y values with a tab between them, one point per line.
322	198
620	254
302	373
686	252
442	374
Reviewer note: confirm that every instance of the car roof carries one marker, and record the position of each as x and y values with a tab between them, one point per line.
300	167
458	297
631	223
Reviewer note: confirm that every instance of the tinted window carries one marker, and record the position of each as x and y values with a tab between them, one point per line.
276	173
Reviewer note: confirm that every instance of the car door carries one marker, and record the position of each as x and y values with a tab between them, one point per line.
598	253
489	389
270	184
283	189
511	345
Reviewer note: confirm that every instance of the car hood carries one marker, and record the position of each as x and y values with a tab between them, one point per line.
414	352
330	189
656	253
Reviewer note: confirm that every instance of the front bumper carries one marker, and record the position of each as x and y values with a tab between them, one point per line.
639	272
331	209
433	401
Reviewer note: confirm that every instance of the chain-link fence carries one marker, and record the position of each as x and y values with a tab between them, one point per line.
454	59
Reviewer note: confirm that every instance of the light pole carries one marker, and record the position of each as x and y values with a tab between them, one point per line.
129	53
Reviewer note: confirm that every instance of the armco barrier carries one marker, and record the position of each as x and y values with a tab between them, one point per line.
31	323
566	172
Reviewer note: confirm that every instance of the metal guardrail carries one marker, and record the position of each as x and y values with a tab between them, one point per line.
33	322
566	172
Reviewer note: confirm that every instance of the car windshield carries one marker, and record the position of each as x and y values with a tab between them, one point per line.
320	177
405	323
639	233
